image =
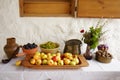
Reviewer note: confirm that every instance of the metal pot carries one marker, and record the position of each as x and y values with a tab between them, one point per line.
73	46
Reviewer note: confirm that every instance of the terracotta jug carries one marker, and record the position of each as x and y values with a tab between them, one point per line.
11	48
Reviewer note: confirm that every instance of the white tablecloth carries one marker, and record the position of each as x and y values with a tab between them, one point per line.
95	71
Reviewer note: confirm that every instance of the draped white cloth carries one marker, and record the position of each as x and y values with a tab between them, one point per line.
95	71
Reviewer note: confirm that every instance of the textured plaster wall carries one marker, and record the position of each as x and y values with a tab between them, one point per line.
58	29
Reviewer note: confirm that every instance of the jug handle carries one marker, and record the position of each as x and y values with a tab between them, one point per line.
20	54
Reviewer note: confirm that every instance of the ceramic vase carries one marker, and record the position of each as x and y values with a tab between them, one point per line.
88	53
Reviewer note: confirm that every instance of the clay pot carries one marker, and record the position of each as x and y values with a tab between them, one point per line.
30	51
11	48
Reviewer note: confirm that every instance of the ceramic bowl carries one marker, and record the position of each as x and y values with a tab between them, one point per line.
30	51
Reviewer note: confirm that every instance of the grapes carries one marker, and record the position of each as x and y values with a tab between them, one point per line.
29	46
49	45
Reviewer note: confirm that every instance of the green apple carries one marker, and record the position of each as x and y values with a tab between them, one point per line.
66	61
44	56
58	54
38	62
36	57
58	58
37	53
60	62
67	55
48	54
70	57
50	62
55	63
73	63
44	62
41	54
76	60
53	54
49	57
32	61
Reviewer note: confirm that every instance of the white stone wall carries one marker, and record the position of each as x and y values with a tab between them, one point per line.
58	29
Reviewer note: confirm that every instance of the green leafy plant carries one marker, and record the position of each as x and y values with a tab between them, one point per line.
92	36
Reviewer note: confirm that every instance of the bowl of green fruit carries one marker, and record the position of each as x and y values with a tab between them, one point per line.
49	47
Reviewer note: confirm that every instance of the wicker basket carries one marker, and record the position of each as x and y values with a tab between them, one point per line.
55	50
103	59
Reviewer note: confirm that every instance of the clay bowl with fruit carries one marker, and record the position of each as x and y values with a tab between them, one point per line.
49	47
103	56
28	49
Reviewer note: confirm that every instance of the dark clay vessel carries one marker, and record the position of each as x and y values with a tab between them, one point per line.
11	48
73	46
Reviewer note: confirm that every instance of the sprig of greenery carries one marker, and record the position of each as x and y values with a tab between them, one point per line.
93	35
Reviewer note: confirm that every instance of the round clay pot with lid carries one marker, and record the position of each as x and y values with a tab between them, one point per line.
11	47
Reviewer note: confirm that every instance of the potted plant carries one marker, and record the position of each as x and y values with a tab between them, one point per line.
91	38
